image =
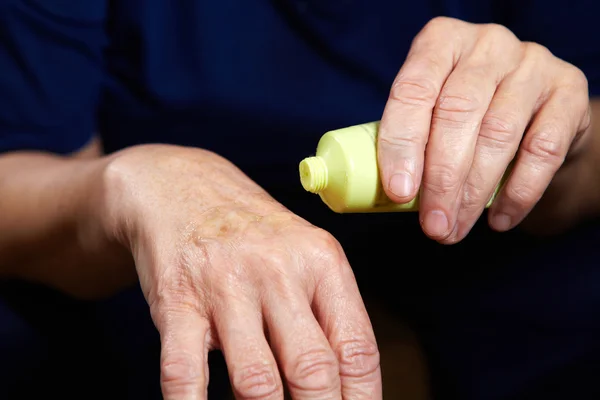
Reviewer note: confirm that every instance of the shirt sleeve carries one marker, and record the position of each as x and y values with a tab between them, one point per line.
51	70
569	29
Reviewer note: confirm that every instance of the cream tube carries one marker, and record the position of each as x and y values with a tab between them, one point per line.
345	174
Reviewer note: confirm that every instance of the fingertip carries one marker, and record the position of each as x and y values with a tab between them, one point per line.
400	161
500	221
401	185
436	224
502	215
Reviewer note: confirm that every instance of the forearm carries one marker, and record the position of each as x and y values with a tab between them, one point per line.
574	194
48	229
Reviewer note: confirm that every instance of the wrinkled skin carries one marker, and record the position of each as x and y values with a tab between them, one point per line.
466	101
223	265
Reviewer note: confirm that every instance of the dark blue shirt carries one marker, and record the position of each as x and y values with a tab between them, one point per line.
259	82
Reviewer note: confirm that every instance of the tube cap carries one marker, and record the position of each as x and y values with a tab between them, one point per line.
313	174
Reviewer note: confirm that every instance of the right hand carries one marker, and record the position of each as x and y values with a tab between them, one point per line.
223	265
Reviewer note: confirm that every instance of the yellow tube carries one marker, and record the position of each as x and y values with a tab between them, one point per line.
345	174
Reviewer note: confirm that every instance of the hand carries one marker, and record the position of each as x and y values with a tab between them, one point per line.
223	265
466	101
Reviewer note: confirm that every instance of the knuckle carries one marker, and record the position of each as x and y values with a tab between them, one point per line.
180	371
256	381
401	142
358	358
276	274
453	121
575	85
522	194
275	256
499	132
441	179
315	370
544	146
418	92
577	77
458	103
536	51
170	299
325	248
438	25
497	30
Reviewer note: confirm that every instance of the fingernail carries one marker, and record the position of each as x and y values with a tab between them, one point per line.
435	223
401	184
501	222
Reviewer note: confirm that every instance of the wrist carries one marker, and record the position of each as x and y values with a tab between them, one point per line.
55	237
100	223
109	265
142	185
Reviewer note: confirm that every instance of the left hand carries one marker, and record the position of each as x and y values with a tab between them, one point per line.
466	101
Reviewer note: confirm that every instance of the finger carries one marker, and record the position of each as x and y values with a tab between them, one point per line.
252	368
185	341
455	125
308	363
405	124
517	99
540	155
340	311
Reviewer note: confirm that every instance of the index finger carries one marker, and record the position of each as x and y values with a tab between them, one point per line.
406	120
